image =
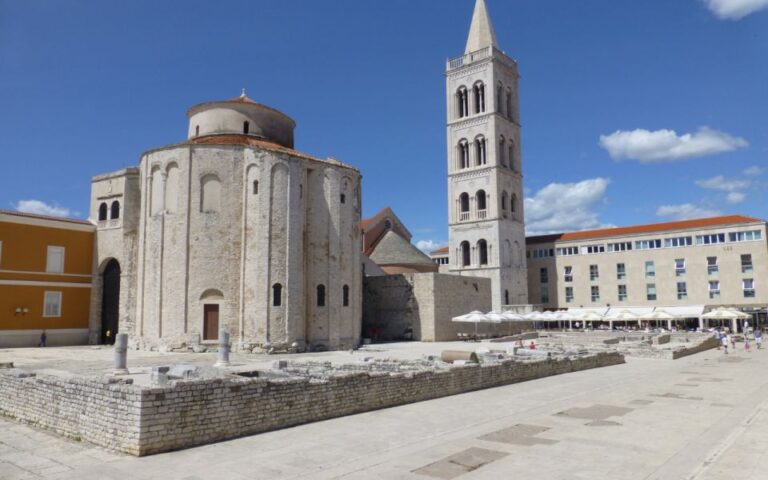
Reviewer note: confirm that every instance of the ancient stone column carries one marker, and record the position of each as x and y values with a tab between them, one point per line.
223	349
121	354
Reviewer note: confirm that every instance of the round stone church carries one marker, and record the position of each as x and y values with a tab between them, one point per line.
232	229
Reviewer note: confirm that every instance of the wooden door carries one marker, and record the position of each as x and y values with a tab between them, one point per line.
210	322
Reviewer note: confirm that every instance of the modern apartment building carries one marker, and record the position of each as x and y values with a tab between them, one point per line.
709	262
46	267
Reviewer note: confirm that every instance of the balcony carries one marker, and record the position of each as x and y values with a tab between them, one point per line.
463	216
482	214
457	62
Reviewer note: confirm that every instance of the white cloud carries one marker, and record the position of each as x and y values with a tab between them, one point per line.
734	9
563	207
735	197
41	208
721	183
428	246
754	171
685	211
667	146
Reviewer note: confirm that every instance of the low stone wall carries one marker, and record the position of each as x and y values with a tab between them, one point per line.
707	344
142	421
99	412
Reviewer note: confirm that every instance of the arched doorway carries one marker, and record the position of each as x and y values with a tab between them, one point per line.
110	302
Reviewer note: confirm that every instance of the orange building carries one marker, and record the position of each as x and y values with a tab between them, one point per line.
46	266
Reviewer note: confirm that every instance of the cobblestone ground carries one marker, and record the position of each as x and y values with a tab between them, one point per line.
701	417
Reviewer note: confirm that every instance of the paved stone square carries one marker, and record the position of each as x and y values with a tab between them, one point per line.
622	422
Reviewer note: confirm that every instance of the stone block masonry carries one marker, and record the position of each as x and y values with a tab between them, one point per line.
142	420
100	412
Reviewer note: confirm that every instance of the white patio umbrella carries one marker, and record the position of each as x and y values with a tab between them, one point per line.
726	314
564	316
495	317
589	316
621	316
512	317
535	315
472	317
660	315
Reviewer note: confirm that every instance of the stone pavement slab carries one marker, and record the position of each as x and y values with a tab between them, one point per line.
634	422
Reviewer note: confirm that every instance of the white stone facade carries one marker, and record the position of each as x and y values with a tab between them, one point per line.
236	222
485	192
712	262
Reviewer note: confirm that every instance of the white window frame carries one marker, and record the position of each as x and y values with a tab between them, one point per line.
594	273
679	270
712	268
621	273
594	292
568	294
652	272
714	292
682	294
747	267
568	274
748	292
622	296
59	297
648	288
48	266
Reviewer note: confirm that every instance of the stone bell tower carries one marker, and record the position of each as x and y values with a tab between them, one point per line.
485	182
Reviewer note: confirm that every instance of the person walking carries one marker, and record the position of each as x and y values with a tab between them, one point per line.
746	343
759	338
724	339
717	337
732	338
43	339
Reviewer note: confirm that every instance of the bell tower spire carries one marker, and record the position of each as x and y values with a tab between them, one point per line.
481	34
486	229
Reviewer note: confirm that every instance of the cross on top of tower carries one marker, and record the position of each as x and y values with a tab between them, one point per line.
481	34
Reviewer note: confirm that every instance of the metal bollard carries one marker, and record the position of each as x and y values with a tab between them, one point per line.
121	354
223	349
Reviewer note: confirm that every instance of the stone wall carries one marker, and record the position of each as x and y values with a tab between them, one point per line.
99	412
426	303
705	345
143	421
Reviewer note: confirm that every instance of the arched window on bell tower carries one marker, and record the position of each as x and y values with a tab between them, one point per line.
463	152
502	151
480	151
479	93
462	102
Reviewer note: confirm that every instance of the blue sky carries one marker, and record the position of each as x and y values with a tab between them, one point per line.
632	111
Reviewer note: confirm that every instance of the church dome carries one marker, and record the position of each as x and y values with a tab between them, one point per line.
240	116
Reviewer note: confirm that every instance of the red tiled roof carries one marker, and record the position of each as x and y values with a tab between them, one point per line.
45	217
440	251
640	229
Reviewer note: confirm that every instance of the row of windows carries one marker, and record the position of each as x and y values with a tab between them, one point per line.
478	150
52	301
54	259
709	239
650	269
504	101
713	288
246	129
481	204
511	254
277	295
210	194
112	211
442	260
